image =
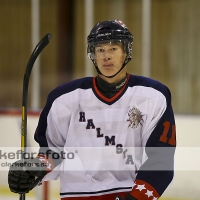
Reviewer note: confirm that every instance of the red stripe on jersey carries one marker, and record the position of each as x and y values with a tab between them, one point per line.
115	96
102	197
144	191
18	112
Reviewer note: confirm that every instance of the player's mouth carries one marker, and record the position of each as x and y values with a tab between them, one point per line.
108	65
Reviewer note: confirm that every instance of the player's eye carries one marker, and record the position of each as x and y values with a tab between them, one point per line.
100	50
114	49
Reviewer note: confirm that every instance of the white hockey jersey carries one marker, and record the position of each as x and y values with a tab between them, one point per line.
111	147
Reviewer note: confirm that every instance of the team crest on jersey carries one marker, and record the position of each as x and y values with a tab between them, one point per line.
135	117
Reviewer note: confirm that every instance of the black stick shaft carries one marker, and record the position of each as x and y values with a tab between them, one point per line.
40	46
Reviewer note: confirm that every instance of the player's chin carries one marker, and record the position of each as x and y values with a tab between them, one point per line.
108	72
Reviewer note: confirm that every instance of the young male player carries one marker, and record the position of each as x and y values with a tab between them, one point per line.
116	130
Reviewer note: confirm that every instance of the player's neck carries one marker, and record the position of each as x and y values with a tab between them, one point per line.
107	89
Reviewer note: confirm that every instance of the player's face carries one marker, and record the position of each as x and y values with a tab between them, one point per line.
109	58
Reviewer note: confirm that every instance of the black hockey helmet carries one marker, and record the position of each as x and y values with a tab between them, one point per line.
106	31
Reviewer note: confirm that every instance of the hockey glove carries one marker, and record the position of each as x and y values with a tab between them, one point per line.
128	197
23	177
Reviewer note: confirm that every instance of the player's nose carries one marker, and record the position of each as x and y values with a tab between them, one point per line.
107	57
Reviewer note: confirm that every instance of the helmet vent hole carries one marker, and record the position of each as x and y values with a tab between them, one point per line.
104	28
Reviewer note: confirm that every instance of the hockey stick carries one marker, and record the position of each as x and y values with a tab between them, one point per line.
40	46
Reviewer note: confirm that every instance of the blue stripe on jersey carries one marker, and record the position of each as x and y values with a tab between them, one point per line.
83	83
148	82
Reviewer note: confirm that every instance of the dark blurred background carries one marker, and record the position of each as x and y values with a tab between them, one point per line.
171	29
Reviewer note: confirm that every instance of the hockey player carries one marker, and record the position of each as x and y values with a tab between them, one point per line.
84	120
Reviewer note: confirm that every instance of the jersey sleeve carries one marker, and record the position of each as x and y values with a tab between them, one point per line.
159	141
48	132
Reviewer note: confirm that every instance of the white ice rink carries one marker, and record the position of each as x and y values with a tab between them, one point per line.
186	183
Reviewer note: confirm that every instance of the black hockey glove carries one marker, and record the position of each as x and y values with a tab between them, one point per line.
128	197
23	177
